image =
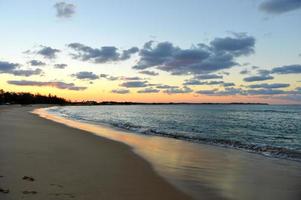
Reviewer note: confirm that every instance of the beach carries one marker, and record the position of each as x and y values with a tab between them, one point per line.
68	163
71	159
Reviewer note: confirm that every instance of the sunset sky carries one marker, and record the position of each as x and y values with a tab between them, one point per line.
153	51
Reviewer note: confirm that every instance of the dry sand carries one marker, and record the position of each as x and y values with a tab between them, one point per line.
67	163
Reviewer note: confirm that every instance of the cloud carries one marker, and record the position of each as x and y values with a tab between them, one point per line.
207	92
178	90
162	86
60	66
279	6
208	76
36	63
84	75
121	91
225	92
199	59
149	90
270	86
44	51
134	84
64	10
197	82
239	45
230	84
128	53
193	82
102	55
287	69
150	73
258	78
133	78
265	92
27	73
245	71
108	77
14	69
7	66
55	84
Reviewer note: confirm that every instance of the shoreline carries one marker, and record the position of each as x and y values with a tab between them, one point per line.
202	169
69	163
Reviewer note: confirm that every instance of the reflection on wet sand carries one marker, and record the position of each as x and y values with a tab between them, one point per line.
224	173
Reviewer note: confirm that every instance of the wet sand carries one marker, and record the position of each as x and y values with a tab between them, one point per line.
42	159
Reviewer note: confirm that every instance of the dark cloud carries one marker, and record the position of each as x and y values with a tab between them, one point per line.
197	82
239	45
14	69
7	66
178	90
228	84
128	53
265	92
208	76
36	63
207	92
102	55
270	86
121	91
133	78
149	90
150	73
84	75
258	78
60	66
279	6
288	69
193	82
55	84
134	84
200	59
44	51
64	10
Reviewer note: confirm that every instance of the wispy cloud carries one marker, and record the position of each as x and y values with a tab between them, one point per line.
55	84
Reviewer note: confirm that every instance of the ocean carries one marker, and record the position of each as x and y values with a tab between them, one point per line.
271	130
220	151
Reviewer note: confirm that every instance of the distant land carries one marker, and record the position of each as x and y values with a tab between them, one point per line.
26	98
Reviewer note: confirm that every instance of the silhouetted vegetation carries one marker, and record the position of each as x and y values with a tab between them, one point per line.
28	98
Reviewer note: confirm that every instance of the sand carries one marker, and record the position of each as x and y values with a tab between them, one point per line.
41	159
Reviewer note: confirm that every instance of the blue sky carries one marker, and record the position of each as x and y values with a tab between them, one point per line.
124	24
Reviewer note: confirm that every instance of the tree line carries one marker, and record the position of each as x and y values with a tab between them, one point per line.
28	98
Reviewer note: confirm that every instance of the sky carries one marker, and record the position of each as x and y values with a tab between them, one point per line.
153	51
